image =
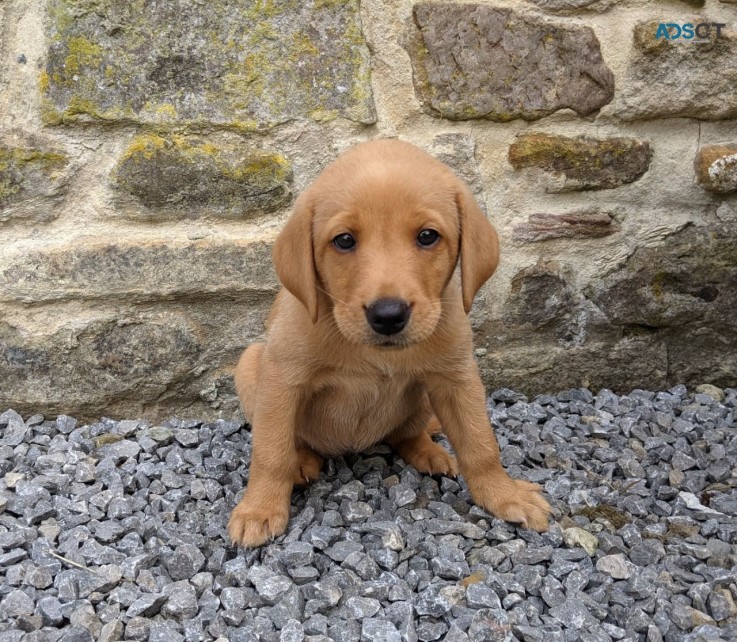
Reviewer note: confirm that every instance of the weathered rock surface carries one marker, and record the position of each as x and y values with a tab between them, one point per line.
674	78
543	227
32	182
690	277
177	177
666	315
132	270
171	359
683	293
582	163
458	151
477	61
240	64
178	315
716	168
565	7
536	363
538	296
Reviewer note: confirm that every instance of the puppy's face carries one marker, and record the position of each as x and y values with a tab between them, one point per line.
384	252
377	236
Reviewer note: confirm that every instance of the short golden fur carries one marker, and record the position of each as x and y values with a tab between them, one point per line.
326	383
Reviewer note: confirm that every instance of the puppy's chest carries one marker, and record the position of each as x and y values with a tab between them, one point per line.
353	411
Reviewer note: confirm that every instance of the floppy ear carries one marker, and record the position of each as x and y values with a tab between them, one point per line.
294	257
479	246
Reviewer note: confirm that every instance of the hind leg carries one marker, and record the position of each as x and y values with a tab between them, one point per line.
308	467
413	443
247	377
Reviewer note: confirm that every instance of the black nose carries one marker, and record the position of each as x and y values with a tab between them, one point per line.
388	316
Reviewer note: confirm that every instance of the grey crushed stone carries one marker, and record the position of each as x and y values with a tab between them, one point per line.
117	530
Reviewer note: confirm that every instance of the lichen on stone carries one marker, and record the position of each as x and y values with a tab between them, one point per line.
31	180
716	168
244	65
179	176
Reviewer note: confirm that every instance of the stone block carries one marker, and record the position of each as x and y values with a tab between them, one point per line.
666	316
566	7
478	61
677	78
132	271
32	182
163	178
539	295
716	168
683	293
574	225
87	365
690	278
152	360
531	365
244	64
130	327
582	163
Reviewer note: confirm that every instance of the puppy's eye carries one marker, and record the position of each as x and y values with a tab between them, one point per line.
344	242
426	238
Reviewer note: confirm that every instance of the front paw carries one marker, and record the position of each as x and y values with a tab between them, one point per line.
253	523
513	500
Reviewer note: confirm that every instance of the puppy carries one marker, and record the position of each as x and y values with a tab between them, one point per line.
369	339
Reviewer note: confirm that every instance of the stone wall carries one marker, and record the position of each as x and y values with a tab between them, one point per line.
150	152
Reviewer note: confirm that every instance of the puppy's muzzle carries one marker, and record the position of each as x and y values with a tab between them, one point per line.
388	316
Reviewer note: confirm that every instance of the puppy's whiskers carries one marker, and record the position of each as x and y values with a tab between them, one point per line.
334	298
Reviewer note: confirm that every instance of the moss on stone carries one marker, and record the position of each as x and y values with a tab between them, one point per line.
21	157
43	82
586	163
322	4
179	176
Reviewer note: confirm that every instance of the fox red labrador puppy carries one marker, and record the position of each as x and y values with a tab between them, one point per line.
369	339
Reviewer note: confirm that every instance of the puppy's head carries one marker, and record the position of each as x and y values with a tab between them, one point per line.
377	236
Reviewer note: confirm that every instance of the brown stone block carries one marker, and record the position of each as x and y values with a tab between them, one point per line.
543	227
478	61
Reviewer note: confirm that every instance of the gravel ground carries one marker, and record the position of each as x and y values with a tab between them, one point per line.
117	530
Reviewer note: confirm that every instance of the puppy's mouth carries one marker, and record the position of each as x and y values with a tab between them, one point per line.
397	342
391	344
